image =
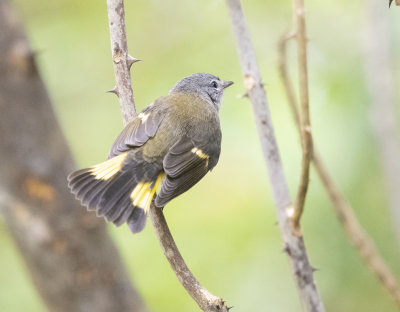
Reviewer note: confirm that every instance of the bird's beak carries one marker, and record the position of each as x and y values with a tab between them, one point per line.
226	84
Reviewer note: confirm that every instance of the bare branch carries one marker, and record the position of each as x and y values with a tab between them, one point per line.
306	138
121	59
293	240
122	62
355	233
380	79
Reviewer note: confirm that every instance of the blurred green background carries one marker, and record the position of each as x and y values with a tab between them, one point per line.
225	226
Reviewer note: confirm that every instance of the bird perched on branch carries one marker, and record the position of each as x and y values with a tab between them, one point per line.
173	142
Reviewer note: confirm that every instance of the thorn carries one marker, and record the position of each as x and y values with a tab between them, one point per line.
228	308
114	90
130	60
286	249
314	269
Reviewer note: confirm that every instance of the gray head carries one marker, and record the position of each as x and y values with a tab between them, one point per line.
207	86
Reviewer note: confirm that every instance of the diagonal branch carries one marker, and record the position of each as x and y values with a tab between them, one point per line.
122	63
293	240
306	138
356	234
205	300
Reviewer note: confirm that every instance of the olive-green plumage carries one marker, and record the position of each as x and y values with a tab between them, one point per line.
175	141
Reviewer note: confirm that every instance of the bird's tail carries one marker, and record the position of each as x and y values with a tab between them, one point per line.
120	189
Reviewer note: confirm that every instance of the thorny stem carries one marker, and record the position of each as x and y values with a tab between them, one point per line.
123	89
121	59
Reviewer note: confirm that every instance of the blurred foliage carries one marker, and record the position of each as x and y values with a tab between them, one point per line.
226	225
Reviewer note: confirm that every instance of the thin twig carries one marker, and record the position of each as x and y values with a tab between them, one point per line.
306	138
293	240
286	78
122	63
356	234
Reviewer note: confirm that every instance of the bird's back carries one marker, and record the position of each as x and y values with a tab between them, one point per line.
184	115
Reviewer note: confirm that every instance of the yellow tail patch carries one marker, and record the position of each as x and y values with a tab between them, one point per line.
106	170
201	154
143	193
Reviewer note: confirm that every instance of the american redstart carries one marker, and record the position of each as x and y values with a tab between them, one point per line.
174	142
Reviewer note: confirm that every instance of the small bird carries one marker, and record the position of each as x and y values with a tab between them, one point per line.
173	142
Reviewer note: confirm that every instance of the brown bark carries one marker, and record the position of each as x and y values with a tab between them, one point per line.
70	256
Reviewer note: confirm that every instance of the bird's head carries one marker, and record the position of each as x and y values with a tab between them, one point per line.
207	86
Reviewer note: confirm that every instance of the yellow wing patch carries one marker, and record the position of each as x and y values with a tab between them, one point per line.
106	170
200	154
143	193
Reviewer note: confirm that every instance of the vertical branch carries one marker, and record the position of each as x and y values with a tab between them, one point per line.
306	138
357	236
383	112
122	63
121	59
294	243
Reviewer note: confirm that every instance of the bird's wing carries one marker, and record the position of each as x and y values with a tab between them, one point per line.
185	164
139	130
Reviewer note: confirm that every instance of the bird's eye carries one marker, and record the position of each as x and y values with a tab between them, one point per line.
214	84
